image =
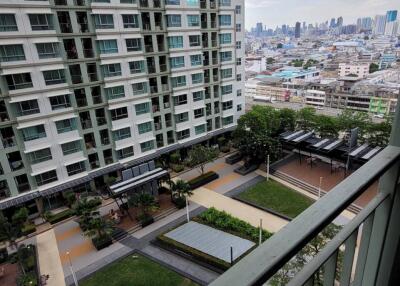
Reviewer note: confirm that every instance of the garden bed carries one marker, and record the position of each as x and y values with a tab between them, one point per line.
100	243
52	219
233	159
203	179
243	170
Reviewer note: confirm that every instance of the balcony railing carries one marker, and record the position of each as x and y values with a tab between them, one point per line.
367	243
8	142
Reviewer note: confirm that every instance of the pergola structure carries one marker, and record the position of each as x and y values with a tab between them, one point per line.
143	178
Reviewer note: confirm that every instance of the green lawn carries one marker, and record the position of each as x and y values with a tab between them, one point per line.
138	271
277	197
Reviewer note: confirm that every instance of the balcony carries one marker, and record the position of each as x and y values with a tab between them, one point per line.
101	121
153	89
9	142
367	244
144	3
88	53
149	48
157	126
86	124
72	54
80	2
94	164
163	67
66	28
156	3
105	140
108	160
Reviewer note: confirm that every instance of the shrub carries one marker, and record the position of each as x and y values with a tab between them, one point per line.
102	242
179	202
225	149
70	197
52	219
163	190
175	158
203	179
225	222
221	141
177	168
28	279
28	229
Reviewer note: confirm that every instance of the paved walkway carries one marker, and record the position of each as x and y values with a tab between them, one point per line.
49	259
208	198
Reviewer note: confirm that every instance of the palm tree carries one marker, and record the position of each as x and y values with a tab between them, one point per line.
181	189
145	202
99	227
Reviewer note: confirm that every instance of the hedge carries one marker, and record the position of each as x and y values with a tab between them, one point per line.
60	216
102	242
203	179
28	229
201	256
225	222
177	168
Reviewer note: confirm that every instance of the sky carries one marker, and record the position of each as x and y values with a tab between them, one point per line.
274	13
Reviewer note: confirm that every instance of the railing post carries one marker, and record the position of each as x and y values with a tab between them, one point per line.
389	266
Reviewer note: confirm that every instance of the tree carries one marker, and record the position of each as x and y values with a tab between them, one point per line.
200	155
70	197
20	216
181	189
145	202
99	227
349	119
373	67
279	46
286	273
378	134
326	126
270	61
9	231
288	119
306	118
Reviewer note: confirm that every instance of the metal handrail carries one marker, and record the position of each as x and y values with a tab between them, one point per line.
268	258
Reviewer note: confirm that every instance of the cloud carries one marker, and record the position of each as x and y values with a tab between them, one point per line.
261	3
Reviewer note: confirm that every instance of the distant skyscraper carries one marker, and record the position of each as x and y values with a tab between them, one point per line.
259	29
339	22
297	30
304	26
284	29
333	23
364	24
391	16
379	24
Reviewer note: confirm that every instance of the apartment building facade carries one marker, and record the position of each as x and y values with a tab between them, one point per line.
90	87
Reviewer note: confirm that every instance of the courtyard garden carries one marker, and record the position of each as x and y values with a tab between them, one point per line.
136	270
276	197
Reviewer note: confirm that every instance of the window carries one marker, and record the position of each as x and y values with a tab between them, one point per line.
197	78
66	125
194	40
111	70
119	113
225	56
46	178
178	81
172	2
224	20
136	67
173	20
200	129
107	46
192	3
217	122
225	38
8	23
125	153
238	9
227	105
239	92
226	73
139	88
224	2
142	108
40	22
19	81
130	21
115	92
60	102
238	45
182	117
12	53
193	20
127	1
76	168
227	89
177	62
147	146
104	21
238	61
238	27
198	113
145	127
33	133
54	77
133	45
195	60
48	50
71	147
121	134
227	120
183	134
180	99
27	107
198	95
40	156
175	42
239	77
239	107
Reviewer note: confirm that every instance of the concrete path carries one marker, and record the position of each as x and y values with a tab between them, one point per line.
208	198
49	258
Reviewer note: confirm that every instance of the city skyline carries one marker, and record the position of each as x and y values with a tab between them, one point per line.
269	12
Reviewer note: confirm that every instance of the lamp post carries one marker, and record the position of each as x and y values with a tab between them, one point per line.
320	186
72	270
260	236
268	167
187	209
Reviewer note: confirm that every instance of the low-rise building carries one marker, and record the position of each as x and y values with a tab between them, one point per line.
359	70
